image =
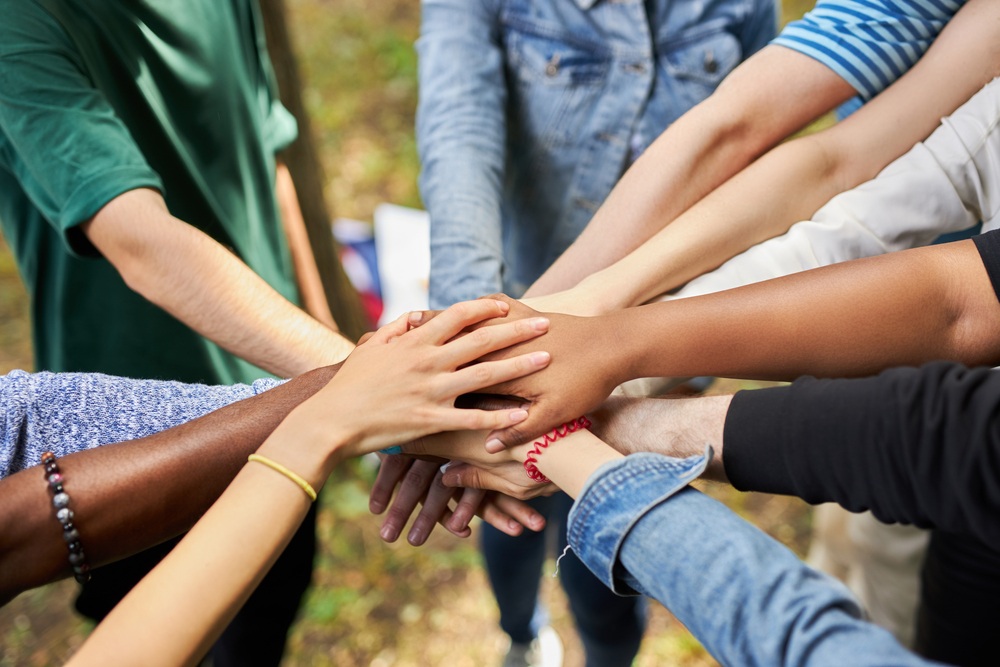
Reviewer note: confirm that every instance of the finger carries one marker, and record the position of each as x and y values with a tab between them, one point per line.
468	476
417	318
452	320
396	328
365	337
466	508
470	347
501	521
390	471
457	419
490	373
520	511
411	491
435	506
541	419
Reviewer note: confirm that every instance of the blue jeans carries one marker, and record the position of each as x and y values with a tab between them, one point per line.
610	626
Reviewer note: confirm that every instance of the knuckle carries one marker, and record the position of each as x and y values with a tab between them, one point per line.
482	337
482	373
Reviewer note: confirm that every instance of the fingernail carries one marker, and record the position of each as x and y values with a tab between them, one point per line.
515	416
416	537
444	467
375	507
414	317
513	525
493	446
540	323
504	306
540	358
388	534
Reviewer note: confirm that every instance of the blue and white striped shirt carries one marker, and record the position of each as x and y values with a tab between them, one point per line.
870	43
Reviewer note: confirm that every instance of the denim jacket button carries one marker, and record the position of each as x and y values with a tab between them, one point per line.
711	64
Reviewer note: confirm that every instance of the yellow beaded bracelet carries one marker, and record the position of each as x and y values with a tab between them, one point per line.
273	465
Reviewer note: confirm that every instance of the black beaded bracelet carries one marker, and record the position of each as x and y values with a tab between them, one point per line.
60	502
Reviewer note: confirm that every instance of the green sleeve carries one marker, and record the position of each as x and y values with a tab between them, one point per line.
59	136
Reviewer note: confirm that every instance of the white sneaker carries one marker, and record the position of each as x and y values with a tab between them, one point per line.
546	650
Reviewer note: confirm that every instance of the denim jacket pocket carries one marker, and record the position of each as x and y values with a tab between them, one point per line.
701	62
554	84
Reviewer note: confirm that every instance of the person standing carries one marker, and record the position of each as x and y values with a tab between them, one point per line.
140	193
529	113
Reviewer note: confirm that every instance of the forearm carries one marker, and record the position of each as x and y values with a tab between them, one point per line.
854	318
306	272
913	446
258	514
699	152
195	279
747	599
132	495
672	427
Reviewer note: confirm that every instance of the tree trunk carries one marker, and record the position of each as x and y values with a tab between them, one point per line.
307	173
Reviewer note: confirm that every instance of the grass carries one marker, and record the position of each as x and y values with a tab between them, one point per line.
371	603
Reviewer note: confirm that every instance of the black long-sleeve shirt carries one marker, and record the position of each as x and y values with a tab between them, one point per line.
918	446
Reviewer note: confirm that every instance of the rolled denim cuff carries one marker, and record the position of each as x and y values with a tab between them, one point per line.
615	498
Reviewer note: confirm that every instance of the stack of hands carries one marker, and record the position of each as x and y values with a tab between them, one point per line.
449	477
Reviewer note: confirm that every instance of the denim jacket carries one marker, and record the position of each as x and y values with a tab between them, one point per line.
531	110
748	599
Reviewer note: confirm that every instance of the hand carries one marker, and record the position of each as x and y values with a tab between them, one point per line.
419	482
420	373
471	467
508	479
583	371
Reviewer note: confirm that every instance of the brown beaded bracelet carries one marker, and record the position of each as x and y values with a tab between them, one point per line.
60	503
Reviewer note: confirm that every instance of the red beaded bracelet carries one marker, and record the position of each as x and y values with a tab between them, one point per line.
531	461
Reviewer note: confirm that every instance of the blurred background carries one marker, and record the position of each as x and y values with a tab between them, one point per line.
371	603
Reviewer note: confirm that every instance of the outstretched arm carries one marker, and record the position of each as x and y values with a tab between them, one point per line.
461	135
191	276
788	184
854	318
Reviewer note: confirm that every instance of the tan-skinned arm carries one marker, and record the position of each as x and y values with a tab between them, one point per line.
201	283
784	186
848	319
306	272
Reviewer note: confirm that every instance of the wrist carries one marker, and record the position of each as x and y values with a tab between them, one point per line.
597	295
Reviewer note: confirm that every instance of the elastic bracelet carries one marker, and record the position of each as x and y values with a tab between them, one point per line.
274	465
64	515
531	461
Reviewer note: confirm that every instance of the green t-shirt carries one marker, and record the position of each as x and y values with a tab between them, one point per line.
101	97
